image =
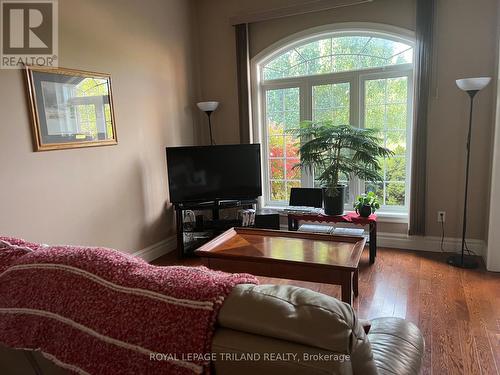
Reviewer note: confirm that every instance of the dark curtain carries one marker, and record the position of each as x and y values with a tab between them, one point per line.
423	71
242	65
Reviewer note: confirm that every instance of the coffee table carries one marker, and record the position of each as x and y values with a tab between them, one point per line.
313	257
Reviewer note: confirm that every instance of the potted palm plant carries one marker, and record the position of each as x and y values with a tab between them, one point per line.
331	151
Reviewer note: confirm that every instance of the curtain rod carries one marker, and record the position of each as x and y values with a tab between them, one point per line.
293	10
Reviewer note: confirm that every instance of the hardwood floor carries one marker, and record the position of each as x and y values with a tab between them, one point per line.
457	310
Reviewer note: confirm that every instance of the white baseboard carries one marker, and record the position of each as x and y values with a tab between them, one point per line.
384	239
428	243
158	249
424	243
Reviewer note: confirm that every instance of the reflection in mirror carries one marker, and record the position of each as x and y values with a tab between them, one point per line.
71	108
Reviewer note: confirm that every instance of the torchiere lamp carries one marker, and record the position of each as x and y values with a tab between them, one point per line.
471	86
208	108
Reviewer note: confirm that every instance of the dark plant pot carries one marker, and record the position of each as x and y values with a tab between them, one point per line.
334	201
365	211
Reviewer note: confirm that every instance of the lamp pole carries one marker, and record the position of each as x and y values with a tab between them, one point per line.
463	261
209	114
471	86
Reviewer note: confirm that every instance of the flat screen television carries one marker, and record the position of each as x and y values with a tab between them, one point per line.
207	173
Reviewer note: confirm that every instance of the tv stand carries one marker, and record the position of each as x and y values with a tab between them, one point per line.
192	235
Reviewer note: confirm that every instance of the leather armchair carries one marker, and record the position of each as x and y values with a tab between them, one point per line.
287	330
320	334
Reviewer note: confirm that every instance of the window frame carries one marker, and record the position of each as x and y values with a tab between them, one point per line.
357	81
409	127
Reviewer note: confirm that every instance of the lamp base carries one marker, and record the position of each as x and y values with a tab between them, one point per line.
467	261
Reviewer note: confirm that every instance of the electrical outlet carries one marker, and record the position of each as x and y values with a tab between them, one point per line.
441	216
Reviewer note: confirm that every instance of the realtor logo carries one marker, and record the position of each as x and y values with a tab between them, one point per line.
29	33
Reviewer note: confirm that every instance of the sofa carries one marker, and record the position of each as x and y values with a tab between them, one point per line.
271	329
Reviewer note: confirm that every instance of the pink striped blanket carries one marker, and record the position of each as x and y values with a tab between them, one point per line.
100	311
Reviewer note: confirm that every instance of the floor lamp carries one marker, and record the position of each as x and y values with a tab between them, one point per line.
208	108
471	86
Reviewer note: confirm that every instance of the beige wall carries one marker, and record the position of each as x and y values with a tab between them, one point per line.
493	243
111	196
465	36
466	45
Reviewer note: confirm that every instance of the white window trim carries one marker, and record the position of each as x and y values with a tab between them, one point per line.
258	88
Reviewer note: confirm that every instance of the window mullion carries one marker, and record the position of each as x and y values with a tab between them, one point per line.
356	92
306	114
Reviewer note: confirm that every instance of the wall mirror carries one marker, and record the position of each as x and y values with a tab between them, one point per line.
70	108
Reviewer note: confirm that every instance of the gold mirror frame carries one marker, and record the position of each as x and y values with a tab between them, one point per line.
34	108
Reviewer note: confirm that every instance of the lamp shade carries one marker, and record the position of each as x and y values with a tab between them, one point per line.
208	106
473	84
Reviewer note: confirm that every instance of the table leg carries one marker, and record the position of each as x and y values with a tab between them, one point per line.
347	287
373	242
293	224
355	282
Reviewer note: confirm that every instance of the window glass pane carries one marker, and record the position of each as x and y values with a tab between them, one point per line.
383	48
292	147
277	169
290	102
375	117
397	90
341	63
396	142
321	65
323	115
396	116
395	193
322	96
278	192
282	63
276	146
282	113
377	188
341	116
292	169
337	54
396	168
386	110
315	49
270	73
292	119
375	92
274	101
296	70
404	57
331	103
350	44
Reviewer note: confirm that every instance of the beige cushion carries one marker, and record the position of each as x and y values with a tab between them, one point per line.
295	359
300	316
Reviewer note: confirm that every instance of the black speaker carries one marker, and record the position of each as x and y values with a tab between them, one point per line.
267	221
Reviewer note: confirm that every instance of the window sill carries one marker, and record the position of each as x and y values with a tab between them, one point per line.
382	216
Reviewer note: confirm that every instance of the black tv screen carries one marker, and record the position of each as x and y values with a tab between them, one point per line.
206	173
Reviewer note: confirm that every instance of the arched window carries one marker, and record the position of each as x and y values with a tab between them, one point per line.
358	77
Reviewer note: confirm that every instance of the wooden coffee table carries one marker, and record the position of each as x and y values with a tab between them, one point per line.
313	257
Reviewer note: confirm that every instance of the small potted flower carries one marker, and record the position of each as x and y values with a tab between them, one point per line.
366	204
